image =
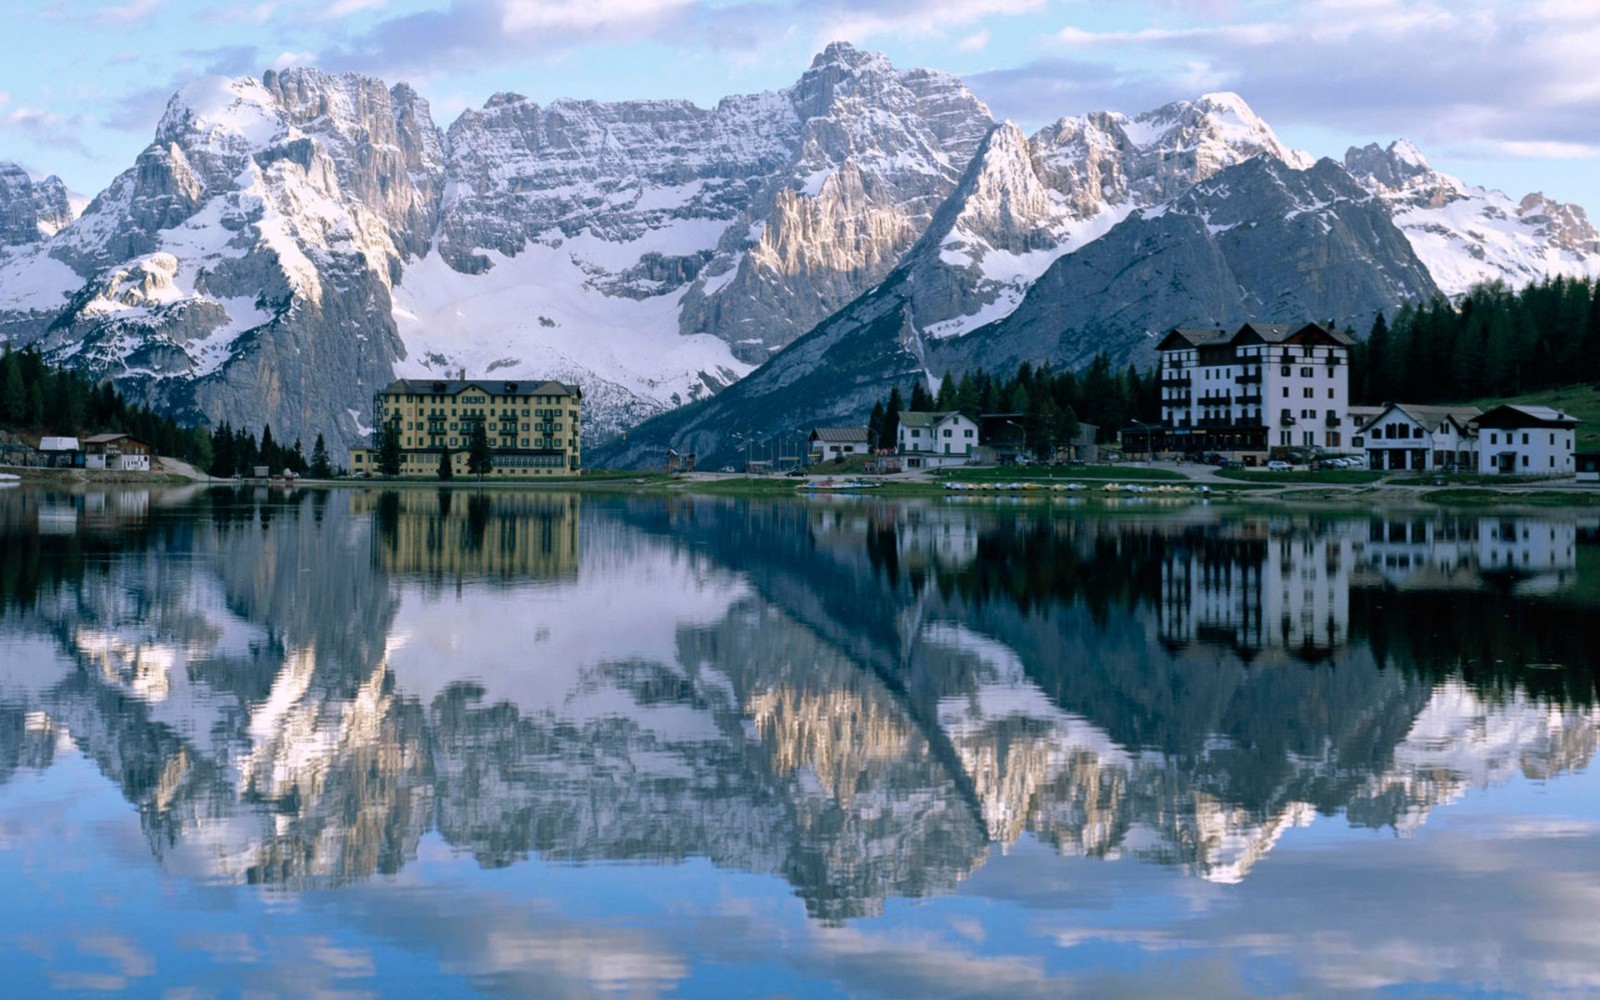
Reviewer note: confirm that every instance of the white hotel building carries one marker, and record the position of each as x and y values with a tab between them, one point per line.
1258	391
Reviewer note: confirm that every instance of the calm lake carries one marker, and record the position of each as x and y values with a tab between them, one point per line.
529	743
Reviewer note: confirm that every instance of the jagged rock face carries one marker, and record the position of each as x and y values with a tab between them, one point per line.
522	174
1467	235
30	210
879	150
241	269
1106	158
1259	240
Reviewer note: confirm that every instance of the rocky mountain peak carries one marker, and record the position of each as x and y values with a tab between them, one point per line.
1467	234
1400	166
1220	129
1564	224
1106	159
30	210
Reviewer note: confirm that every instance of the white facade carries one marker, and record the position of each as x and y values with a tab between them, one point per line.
1263	590
1265	386
1424	438
1526	441
932	439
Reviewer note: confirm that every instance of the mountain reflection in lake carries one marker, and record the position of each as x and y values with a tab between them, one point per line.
433	725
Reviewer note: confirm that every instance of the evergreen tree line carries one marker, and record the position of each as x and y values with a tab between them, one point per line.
38	397
44	399
237	452
1494	342
1050	404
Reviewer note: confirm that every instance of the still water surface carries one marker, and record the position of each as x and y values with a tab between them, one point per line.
535	744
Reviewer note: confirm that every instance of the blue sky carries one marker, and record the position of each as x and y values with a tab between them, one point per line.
1497	92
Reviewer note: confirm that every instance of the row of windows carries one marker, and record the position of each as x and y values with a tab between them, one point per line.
510	411
438	426
426	397
1494	438
493	443
948	432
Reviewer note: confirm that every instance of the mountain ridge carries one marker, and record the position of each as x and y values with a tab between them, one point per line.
288	244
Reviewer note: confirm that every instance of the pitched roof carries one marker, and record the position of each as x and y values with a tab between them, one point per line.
489	386
108	438
918	418
1192	336
840	435
1518	415
1432	416
1269	333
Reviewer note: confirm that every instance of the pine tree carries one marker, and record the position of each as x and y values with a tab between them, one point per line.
891	421
479	458
921	401
13	394
224	463
321	468
389	447
875	426
271	455
446	471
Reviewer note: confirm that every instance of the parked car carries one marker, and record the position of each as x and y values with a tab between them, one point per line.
1355	461
1232	463
1330	463
1277	465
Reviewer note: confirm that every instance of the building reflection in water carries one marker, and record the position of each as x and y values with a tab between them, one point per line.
860	697
459	535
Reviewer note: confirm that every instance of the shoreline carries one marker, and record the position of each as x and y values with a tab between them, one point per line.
992	487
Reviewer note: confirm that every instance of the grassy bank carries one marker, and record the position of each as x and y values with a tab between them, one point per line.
1065	473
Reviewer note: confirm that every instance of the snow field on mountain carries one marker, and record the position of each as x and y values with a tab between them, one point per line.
36	282
536	315
1480	238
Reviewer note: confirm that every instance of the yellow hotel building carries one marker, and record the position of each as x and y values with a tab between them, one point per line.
534	428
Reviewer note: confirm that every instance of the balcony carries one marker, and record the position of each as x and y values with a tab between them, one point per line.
1286	418
1216	423
1249	399
1248	379
1215	400
1332	419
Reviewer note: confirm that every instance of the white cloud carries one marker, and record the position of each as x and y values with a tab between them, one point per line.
1515	77
127	13
1550	150
975	42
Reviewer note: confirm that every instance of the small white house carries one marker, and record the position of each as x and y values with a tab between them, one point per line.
838	442
1526	441
1422	438
929	440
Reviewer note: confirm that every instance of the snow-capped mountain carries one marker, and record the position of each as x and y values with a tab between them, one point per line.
241	268
1467	235
1259	238
285	246
30	210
